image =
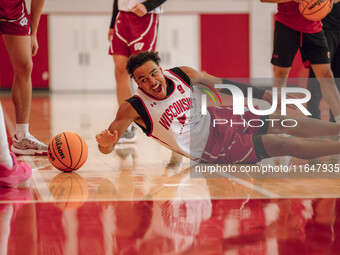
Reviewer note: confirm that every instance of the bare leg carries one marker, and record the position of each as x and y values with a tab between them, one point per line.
299	148
307	127
19	50
6	214
280	76
175	161
5	156
280	79
123	80
330	93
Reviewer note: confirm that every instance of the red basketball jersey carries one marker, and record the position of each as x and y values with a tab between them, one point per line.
289	15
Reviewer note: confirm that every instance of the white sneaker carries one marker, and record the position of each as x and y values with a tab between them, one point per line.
128	136
28	145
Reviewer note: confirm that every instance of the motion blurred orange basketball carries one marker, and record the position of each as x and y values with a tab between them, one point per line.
315	10
69	190
67	151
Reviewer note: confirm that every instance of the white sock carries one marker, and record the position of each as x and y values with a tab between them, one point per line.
21	130
129	128
5	156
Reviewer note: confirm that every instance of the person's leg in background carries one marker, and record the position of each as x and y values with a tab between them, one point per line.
314	88
120	51
122	77
19	50
335	65
318	49
333	41
286	44
124	91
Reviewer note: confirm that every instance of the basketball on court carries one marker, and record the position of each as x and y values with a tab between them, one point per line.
67	151
315	9
69	190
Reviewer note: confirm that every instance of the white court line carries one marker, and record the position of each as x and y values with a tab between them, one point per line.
29	160
258	189
41	187
176	184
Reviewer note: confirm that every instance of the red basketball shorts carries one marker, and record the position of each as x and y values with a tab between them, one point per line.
231	143
133	34
14	20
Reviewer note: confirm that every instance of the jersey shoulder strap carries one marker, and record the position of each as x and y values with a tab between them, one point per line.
138	105
181	74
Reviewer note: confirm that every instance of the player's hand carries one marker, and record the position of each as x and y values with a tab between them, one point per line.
332	4
34	45
110	34
139	10
106	138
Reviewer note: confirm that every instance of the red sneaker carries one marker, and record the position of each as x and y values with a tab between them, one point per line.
20	172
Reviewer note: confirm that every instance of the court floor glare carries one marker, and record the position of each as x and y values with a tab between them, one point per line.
136	200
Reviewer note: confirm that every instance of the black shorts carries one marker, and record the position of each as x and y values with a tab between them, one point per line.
260	151
313	47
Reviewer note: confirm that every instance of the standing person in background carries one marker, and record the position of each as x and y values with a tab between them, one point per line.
19	33
293	32
331	26
134	28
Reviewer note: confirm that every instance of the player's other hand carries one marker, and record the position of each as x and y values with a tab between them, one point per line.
140	10
34	45
106	138
110	34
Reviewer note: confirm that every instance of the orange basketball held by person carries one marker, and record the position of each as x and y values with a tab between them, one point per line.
67	151
315	9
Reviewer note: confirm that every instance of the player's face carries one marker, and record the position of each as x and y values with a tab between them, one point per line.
150	78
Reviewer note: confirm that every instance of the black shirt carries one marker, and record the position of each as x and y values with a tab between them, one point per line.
332	20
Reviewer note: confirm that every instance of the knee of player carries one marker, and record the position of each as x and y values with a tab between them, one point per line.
326	75
278	145
281	72
24	68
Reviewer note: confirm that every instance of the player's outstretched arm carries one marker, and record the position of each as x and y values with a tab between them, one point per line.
108	138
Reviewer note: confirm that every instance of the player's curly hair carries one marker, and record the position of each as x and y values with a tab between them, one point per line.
142	57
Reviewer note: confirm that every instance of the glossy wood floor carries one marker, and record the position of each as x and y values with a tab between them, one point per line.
139	201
